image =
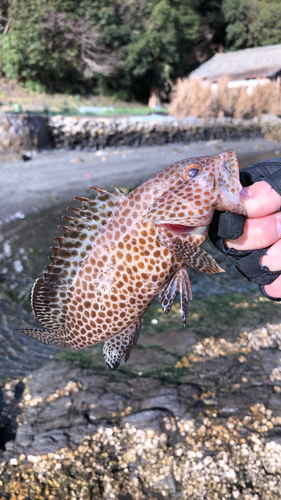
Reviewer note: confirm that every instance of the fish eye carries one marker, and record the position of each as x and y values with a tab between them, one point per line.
191	171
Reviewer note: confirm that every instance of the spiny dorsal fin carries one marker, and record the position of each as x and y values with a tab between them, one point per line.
50	294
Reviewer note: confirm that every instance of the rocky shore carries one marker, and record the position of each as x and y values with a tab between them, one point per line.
22	132
88	434
196	413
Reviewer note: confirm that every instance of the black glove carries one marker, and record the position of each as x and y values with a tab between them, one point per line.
226	225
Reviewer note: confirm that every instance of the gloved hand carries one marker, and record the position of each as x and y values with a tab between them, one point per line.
254	242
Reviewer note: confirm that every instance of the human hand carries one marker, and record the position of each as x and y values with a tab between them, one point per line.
254	242
262	229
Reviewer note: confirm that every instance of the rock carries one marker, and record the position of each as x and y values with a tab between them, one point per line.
144	436
48	442
147	419
25	435
275	402
26	157
130	456
54	416
23	132
166	398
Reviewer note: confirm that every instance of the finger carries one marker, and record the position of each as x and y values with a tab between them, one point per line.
258	233
274	289
260	199
272	258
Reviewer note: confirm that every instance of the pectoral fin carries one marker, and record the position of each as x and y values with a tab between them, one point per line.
195	257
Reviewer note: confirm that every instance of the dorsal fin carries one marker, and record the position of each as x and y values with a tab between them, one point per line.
50	293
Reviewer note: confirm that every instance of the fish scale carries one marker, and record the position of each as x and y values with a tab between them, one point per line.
120	251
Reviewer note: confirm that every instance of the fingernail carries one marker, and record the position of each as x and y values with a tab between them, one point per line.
278	226
244	194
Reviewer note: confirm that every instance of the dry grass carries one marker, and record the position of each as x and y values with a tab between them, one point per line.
226	100
266	99
195	98
244	104
192	98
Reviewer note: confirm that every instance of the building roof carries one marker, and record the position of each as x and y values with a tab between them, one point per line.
257	62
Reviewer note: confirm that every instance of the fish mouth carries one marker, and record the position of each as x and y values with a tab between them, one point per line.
179	228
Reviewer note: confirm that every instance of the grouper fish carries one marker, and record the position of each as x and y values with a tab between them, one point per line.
119	252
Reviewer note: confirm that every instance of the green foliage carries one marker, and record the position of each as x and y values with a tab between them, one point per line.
131	46
266	28
31	48
252	23
239	15
152	39
213	24
124	48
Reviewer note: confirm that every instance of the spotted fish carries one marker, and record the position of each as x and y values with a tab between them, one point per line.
120	251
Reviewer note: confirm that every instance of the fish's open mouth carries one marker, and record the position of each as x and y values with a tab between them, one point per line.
179	228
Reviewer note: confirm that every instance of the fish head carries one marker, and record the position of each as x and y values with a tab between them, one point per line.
227	182
197	187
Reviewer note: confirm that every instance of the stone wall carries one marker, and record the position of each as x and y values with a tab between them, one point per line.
97	133
22	132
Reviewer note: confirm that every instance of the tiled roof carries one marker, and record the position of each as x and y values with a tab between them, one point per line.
258	62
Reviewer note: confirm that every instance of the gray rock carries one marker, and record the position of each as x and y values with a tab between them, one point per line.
148	419
49	441
275	402
54	416
166	398
77	432
25	435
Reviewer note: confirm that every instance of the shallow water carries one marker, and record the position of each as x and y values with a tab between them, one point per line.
24	249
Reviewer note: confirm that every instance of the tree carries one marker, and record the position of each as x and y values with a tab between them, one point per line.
121	46
52	47
125	47
266	28
239	15
155	42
